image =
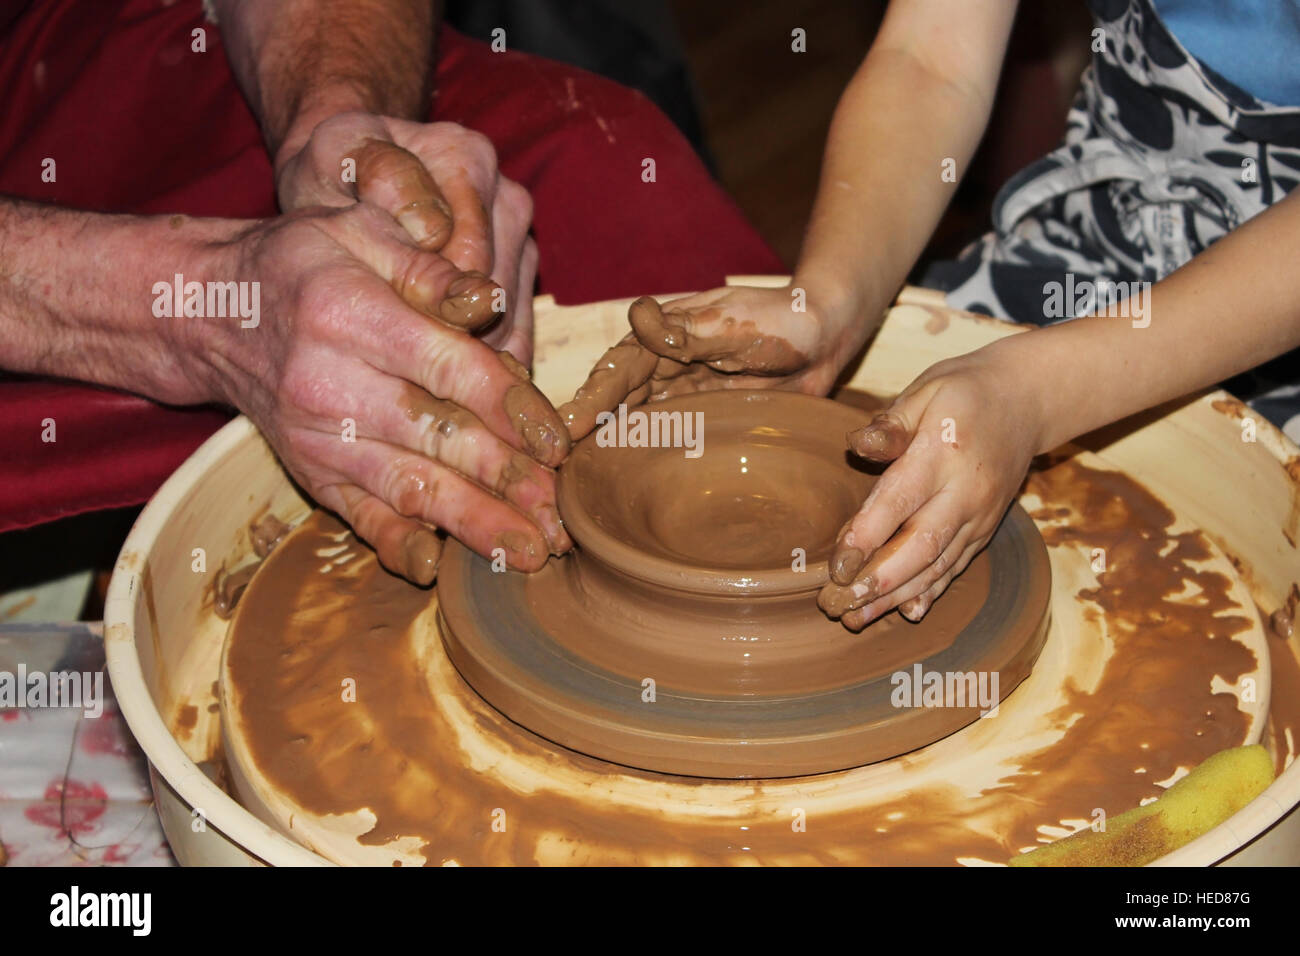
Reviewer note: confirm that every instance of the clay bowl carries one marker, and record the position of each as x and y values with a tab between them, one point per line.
712	559
683	634
754	510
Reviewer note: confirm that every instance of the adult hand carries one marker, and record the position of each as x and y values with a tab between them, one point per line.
398	422
440	181
960	439
733	337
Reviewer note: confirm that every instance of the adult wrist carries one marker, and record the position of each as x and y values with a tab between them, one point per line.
312	110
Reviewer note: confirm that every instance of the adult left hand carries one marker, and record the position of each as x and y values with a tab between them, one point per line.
440	181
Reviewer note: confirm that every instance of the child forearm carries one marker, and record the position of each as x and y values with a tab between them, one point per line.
1233	307
903	134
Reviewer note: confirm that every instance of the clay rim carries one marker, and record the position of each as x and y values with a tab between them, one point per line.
631	561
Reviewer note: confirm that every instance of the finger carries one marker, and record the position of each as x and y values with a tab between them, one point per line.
403	545
708	334
406	415
516	367
315	176
512	216
472	302
443	361
464	165
884	438
916	608
425	281
897	495
470	244
956	559
515	333
416	487
397	182
917	545
622	370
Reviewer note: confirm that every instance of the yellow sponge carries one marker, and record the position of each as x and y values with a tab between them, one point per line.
1214	791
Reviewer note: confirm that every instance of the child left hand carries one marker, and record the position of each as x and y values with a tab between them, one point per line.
960	439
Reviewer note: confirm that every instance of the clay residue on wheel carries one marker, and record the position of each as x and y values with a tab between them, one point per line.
1153	711
264	533
395	750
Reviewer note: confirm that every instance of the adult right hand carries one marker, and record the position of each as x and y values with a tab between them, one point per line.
446	434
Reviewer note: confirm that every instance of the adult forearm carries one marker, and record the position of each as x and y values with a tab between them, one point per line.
302	61
77	297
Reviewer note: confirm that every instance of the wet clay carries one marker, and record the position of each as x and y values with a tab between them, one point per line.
1284	702
1282	621
432	761
699	574
228	586
532	417
616	377
753	520
735	345
777	648
403	749
767	484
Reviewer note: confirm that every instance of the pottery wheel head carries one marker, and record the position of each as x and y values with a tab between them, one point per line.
683	635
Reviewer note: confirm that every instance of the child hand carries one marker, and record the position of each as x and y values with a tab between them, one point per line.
960	439
733	337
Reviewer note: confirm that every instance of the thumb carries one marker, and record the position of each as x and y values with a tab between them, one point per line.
886	436
397	182
425	281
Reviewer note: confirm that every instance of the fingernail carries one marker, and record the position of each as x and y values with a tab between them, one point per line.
868	441
846	564
519	547
466	283
553	528
422	223
541	441
529	413
855	622
859	623
469	302
516	367
837	600
420	554
883	439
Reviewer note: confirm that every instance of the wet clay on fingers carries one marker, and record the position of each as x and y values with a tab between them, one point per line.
732	346
536	423
617	377
470	302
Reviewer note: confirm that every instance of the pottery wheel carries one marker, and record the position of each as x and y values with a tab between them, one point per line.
640	674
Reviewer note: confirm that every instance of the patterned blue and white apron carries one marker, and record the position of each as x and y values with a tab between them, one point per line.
1162	156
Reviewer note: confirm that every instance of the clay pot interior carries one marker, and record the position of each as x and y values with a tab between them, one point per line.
766	490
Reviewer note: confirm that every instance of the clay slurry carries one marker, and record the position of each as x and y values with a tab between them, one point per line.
299	632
